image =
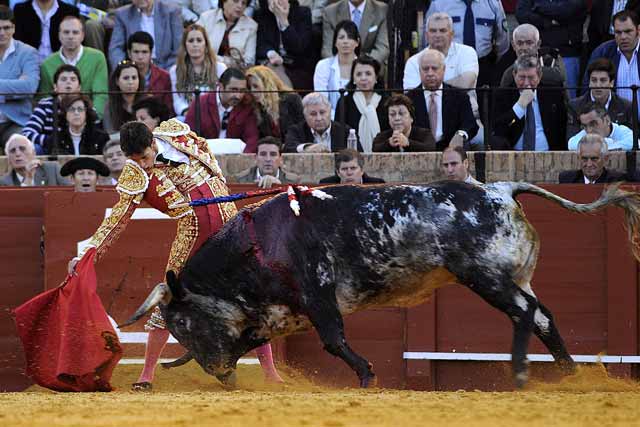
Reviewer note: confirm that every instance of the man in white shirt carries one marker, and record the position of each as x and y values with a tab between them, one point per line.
595	119
455	165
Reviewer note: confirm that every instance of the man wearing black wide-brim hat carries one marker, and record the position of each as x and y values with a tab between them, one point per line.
84	173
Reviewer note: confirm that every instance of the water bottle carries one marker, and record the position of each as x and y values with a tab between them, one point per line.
352	140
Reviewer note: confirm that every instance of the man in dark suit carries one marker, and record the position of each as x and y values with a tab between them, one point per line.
600	29
26	170
162	19
29	25
602	75
528	117
350	170
317	134
592	154
227	113
268	170
439	107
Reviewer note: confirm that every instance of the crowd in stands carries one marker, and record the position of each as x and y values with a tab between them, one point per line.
299	76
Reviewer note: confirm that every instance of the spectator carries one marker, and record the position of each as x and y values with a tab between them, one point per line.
317	133
277	111
161	19
370	16
593	154
601	23
115	159
561	26
623	52
196	68
229	29
192	9
268	170
66	81
228	113
528	117
38	24
19	75
151	112
455	165
334	73
602	75
362	107
284	40
440	108
90	62
156	80
403	136
461	64
78	133
595	119
480	24
526	41
126	86
25	169
350	170
84	173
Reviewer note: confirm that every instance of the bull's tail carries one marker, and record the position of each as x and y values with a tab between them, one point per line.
612	195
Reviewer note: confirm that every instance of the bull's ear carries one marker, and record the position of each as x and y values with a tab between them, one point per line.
174	284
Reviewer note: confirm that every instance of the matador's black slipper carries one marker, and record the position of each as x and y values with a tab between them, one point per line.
143	386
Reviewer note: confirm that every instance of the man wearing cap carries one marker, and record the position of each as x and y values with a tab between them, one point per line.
169	168
84	173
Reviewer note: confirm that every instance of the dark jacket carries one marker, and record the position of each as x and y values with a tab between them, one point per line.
291	113
577	177
301	134
600	21
456	113
366	179
248	176
29	27
619	111
419	140
296	39
92	141
508	127
569	16
352	115
607	50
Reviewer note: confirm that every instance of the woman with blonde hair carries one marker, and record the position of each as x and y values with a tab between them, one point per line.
278	108
196	68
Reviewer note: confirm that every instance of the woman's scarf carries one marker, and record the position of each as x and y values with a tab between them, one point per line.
368	127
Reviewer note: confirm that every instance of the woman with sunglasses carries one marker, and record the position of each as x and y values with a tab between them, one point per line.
126	87
196	68
77	132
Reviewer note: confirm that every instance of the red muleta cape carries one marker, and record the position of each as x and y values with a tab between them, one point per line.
68	341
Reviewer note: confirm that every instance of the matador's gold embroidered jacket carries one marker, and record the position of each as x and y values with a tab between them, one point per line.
167	188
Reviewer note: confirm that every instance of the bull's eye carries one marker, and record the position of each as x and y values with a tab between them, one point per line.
182	323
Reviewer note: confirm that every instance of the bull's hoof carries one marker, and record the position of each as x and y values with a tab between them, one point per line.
229	381
567	367
144	386
369	381
521	379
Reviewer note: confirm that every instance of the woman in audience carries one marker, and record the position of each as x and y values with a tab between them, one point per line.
128	85
151	112
362	107
334	73
196	68
403	136
231	32
276	112
77	131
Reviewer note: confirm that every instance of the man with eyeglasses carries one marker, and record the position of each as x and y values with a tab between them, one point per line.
25	169
227	113
593	154
19	77
595	119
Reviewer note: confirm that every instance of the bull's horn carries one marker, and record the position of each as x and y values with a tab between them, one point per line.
179	361
160	294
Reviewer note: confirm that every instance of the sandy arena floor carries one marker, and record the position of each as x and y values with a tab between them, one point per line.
187	397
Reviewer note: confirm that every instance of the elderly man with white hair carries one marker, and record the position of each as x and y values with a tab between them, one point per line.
593	154
25	169
318	133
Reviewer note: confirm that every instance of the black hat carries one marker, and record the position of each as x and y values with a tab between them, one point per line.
79	163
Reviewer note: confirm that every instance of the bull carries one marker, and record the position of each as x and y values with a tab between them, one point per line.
268	273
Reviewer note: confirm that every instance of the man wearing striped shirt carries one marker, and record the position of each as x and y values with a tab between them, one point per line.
40	124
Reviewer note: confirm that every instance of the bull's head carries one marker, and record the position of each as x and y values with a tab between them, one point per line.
214	330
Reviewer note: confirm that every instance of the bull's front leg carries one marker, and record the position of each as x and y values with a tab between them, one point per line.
327	320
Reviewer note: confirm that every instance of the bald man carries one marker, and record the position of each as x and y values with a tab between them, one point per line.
444	110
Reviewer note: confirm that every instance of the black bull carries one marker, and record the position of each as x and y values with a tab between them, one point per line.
268	273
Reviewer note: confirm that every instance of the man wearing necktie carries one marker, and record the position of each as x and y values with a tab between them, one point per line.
530	116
